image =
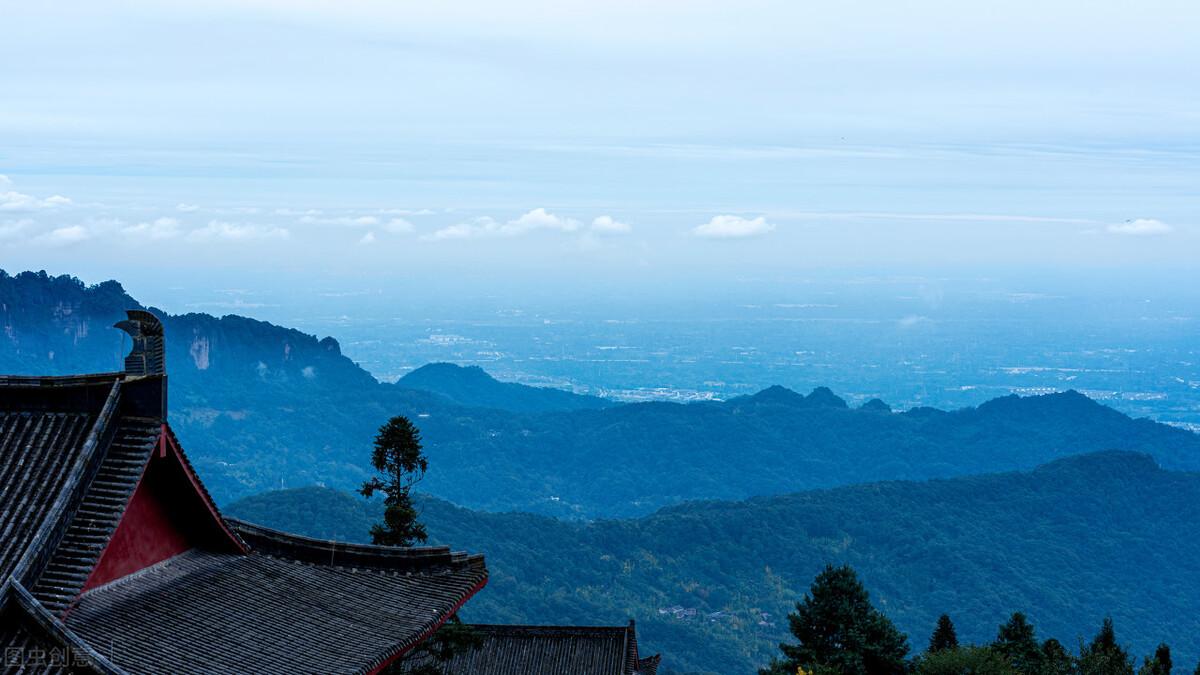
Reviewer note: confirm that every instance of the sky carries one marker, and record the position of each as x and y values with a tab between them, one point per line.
257	142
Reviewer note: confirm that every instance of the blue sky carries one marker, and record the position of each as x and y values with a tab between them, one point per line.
583	141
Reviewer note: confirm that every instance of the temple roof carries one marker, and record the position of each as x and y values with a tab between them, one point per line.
75	453
579	650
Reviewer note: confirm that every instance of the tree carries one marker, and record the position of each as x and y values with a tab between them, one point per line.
1016	642
431	656
838	629
1056	660
1159	664
400	463
1104	656
944	636
969	660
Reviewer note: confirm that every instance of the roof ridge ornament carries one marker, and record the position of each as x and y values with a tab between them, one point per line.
148	356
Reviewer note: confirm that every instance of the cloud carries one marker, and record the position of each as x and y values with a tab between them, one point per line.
368	238
186	208
399	226
5	181
391	225
11	200
1141	227
161	228
606	225
733	227
218	230
346	221
13	228
64	236
537	219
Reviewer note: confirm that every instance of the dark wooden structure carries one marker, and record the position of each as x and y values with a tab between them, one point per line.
553	650
114	559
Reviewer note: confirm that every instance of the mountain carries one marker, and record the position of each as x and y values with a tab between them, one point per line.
472	387
261	407
711	582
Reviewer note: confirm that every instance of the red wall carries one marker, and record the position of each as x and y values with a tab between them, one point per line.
146	533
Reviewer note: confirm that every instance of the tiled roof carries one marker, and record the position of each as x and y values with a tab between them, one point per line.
49	432
34	641
552	650
215	612
73	451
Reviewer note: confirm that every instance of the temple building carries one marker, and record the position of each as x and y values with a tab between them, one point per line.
577	650
114	559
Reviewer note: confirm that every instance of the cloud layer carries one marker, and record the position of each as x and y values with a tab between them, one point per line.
1141	227
733	227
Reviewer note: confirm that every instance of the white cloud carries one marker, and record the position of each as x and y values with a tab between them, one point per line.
11	200
733	227
13	228
161	228
368	238
1141	227
186	208
607	225
221	230
5	181
64	236
346	221
537	219
399	226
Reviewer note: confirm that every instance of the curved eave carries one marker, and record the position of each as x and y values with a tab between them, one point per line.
13	593
274	542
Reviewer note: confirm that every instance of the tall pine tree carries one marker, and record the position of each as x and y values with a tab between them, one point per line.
1104	656
838	630
1017	643
401	464
1159	664
944	636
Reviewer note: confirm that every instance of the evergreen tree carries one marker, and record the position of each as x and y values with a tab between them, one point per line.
1016	642
431	656
1159	664
969	660
401	464
1056	660
944	637
839	630
1104	656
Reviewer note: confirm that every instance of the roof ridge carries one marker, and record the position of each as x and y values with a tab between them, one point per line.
57	518
54	627
83	379
269	541
549	629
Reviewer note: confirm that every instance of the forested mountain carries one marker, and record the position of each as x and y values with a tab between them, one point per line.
472	387
711	582
259	407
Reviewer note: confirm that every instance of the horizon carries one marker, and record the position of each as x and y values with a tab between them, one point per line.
409	144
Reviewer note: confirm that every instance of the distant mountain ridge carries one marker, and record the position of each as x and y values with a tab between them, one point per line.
1067	543
261	407
472	387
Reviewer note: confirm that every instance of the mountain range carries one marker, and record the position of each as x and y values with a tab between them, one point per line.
261	406
711	583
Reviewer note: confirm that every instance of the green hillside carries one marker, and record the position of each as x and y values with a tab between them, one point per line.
1067	543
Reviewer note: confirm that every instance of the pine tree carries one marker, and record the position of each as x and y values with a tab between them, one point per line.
399	460
838	629
1056	660
944	636
1104	656
1017	643
1159	664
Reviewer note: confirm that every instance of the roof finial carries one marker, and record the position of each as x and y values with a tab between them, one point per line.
148	356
